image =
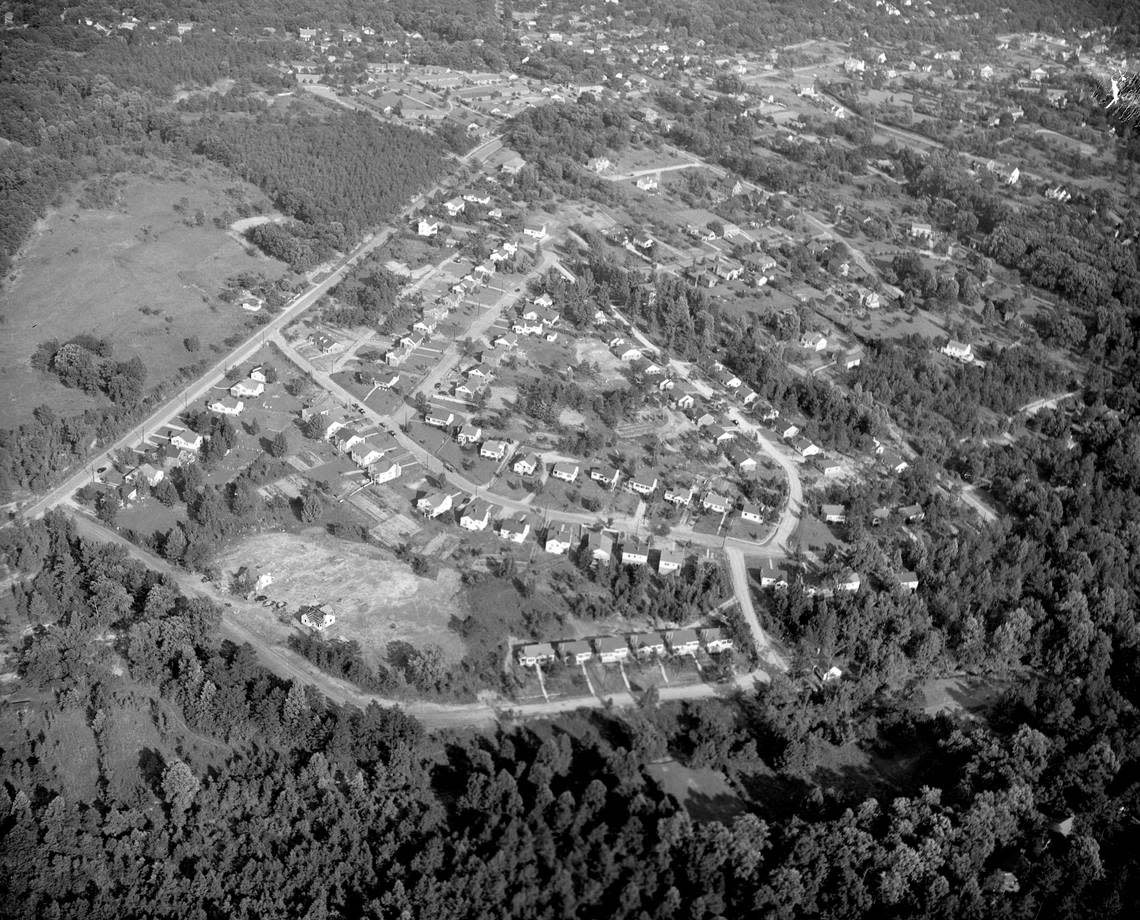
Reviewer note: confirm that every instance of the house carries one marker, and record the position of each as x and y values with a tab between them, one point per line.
515	530
716	503
575	652
771	576
912	513
454	206
186	440
827	467
645	645
805	448
628	352
469	435
535	230
599	546
679	496
508	341
848	580
385	471
634	552
526	466
345	438
743	461
813	341
851	358
324	343
648	183
151	475
534	654
986	72
1037	74
684	642
747	395
893	463
715	640
642	485
561	538
854	65
435	504
880	516
607	477
427	227
365	454
669	561
494	450
226	406
476	516
959	351
834	514
750	511
908	581
598	164
316	619
686	400
611	649
258	374
921	232
788	431
439	418
566	470
721	435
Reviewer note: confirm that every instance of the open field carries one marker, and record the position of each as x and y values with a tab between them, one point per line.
376	599
704	793
96	269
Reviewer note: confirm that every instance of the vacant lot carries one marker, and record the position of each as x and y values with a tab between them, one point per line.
96	269
376	599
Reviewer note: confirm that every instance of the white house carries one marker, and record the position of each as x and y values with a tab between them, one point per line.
526	466
684	642
317	619
565	470
814	341
642	485
834	514
611	649
514	529
427	227
493	450
716	503
634	552
715	640
576	652
669	561
561	538
454	206
476	516
752	512
226	406
434	505
607	476
680	497
365	454
535	230
385	471
247	389
439	418
959	351
186	440
469	435
534	654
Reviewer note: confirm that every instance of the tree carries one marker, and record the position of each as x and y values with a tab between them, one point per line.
310	505
191	343
279	446
179	786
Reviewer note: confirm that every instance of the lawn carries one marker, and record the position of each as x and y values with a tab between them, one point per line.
97	269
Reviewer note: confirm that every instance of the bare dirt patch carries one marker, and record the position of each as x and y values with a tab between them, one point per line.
376	598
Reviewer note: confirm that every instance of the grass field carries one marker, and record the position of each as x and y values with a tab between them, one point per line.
95	270
376	599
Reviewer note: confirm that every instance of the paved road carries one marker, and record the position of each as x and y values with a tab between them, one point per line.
742	588
638	173
969	496
1046	402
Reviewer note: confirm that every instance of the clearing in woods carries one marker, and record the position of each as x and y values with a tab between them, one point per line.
95	269
375	598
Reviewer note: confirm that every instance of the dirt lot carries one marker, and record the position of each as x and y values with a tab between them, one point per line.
94	270
376	599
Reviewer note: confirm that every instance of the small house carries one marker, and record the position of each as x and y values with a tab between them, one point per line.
577	651
752	512
611	649
385	471
566	470
715	641
600	546
634	552
643	485
561	538
186	440
680	496
834	514
908	581
515	530
716	503
493	450
476	516
435	504
535	653
912	513
229	407
525	466
684	642
607	476
469	435
247	389
669	561
646	645
439	418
